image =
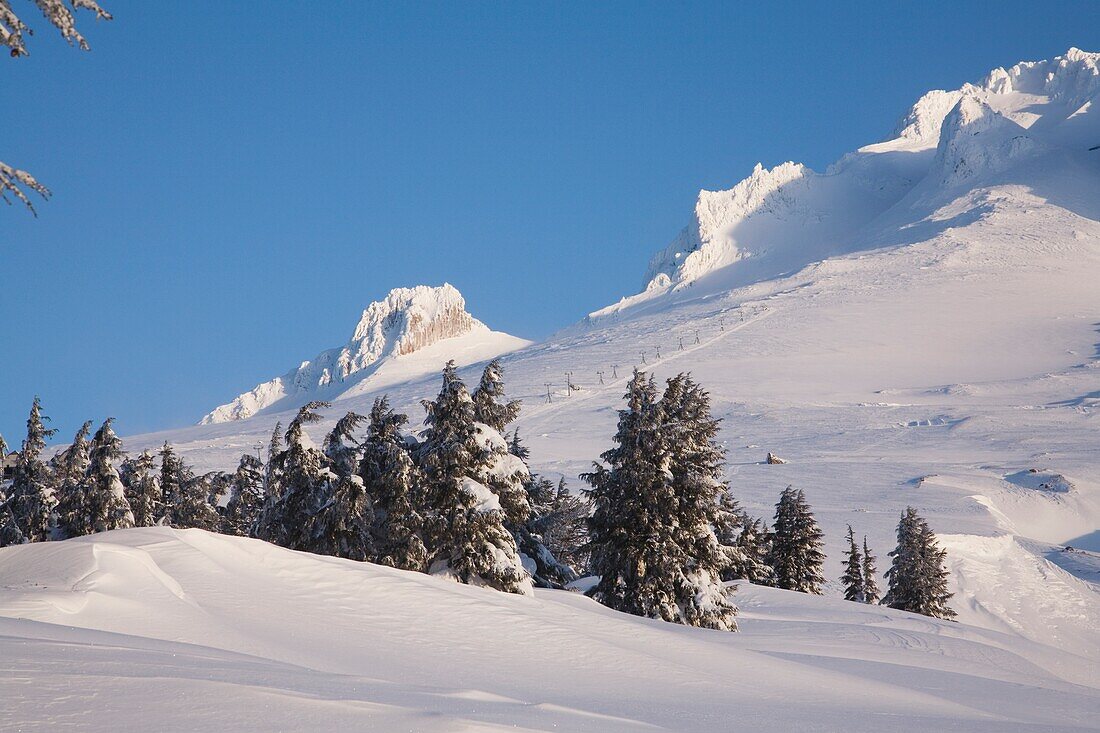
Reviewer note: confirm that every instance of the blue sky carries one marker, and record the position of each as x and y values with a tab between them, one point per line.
235	181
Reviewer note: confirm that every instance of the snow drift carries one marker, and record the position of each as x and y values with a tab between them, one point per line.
185	630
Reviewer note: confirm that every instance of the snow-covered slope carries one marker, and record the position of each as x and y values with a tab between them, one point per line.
781	219
170	630
919	325
410	332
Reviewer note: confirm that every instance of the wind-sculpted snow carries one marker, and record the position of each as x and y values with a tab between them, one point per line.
408	320
169	630
784	218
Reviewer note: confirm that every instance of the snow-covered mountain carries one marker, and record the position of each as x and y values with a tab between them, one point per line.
780	219
411	331
919	325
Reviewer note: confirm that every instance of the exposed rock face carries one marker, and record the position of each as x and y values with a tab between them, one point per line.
405	321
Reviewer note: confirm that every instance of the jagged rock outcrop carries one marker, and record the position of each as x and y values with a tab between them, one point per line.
406	321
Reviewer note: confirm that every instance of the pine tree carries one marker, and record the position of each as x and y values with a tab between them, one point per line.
143	492
341	447
489	405
556	535
917	578
464	525
343	525
854	586
105	507
796	544
394	483
654	510
186	496
272	472
755	546
304	485
70	470
870	575
32	495
246	496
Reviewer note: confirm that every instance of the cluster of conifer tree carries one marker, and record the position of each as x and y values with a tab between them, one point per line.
666	536
659	528
458	499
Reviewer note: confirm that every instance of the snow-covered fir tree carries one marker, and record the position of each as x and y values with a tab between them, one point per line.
142	483
272	472
343	525
10	534
13	33
654	508
755	544
870	575
744	542
556	535
186	496
303	486
917	578
854	586
394	483
796	544
490	406
32	496
105	506
464	520
70	471
695	462
246	496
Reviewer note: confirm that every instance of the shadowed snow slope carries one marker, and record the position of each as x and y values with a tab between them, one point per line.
184	630
411	332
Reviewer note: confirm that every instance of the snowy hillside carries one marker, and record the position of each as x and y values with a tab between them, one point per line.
919	325
922	345
185	630
780	219
411	332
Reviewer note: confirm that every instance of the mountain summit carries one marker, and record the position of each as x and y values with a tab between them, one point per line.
781	219
401	335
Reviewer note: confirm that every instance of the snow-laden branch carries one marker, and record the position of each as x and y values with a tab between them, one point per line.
11	178
12	28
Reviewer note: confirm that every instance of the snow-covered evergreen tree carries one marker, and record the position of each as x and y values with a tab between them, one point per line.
755	545
246	496
917	578
341	447
464	521
854	586
556	535
796	544
32	495
70	471
490	407
343	525
186	496
272	471
304	485
655	506
394	483
695	462
143	492
105	506
870	575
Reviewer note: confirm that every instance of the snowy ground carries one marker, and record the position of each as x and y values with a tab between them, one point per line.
939	347
184	630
